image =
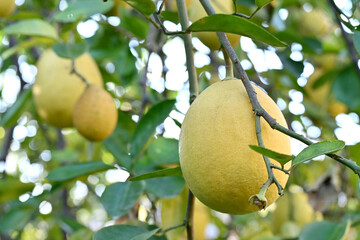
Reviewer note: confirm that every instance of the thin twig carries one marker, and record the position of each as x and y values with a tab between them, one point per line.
74	71
194	92
348	41
161	233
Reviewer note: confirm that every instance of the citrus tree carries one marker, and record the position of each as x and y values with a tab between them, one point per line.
196	119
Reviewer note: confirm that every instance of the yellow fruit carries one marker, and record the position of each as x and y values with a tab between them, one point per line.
6	7
56	90
314	23
173	213
335	108
95	114
172	5
196	11
217	163
293	208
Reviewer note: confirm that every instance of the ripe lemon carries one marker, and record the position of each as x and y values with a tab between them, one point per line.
6	7
95	114
56	90
196	11
217	163
173	213
314	23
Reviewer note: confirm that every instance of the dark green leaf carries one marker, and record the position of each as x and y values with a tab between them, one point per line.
70	50
165	187
32	27
15	219
233	24
83	9
261	3
147	125
324	230
163	151
145	235
69	225
146	7
76	170
160	173
317	149
120	197
281	158
346	88
118	232
136	25
169	16
11	116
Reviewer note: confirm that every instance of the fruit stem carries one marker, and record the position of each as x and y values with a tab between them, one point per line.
194	92
73	71
258	109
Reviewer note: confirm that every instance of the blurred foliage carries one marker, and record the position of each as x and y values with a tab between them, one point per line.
54	184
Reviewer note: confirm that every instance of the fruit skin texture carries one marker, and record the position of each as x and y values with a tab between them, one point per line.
95	114
56	90
196	11
6	7
217	163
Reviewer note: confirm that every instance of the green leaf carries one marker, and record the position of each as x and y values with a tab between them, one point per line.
165	187
281	158
317	149
35	41
324	230
76	170
163	151
146	7
147	125
69	225
32	27
135	24
145	235
160	173
15	219
83	9
70	50
119	232
346	88
233	24
357	41
120	197
261	3
11	116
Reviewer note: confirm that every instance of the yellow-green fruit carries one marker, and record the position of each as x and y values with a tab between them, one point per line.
320	94
216	160
172	6
6	7
56	90
314	23
173	213
196	11
95	114
292	207
335	107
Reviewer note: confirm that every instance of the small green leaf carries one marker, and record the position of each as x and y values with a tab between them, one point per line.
119	232
15	219
237	25
165	187
70	50
120	197
13	113
163	151
261	3
76	170
145	235
32	27
324	230
147	125
317	149
146	7
160	173
83	9
281	158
